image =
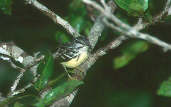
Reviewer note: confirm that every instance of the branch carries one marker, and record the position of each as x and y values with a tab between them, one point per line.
10	50
126	29
66	101
12	53
56	18
117	42
135	34
112	45
96	31
139	26
165	12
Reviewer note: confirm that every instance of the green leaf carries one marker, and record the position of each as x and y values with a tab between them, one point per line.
17	104
165	88
87	27
129	53
5	6
77	7
58	79
59	92
133	7
75	4
148	16
62	37
78	23
155	7
45	69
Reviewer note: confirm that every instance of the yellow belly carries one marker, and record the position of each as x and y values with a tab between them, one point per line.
76	61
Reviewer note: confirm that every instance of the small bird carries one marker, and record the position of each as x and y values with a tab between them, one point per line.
74	53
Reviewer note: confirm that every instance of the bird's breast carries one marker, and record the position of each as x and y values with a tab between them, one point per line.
76	61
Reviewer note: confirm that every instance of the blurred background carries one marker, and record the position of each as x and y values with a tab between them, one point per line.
133	85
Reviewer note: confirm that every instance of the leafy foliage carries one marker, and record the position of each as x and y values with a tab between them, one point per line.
133	7
45	69
129	53
59	92
165	88
5	6
17	104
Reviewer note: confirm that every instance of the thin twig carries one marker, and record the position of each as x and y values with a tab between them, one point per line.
14	86
117	42
135	34
112	45
20	90
163	13
33	69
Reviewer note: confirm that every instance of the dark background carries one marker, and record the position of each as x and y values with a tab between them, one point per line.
132	86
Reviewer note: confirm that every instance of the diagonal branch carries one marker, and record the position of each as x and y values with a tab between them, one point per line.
96	31
56	18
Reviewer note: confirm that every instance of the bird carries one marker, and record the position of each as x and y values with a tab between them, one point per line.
73	53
